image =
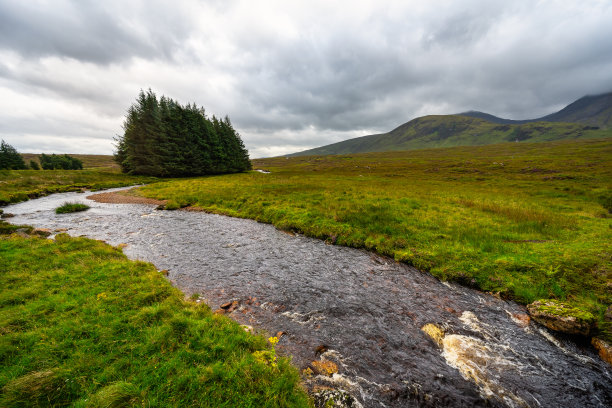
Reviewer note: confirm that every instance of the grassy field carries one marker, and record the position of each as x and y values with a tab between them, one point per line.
529	221
90	161
21	185
82	326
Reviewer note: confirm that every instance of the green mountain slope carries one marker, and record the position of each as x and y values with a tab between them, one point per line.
457	130
592	110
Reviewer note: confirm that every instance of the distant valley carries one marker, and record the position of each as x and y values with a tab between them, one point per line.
587	118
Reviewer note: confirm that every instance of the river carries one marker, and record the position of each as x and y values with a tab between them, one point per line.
363	312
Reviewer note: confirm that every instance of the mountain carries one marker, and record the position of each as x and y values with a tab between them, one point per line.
592	110
588	117
456	130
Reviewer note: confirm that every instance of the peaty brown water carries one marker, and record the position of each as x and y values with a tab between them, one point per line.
399	337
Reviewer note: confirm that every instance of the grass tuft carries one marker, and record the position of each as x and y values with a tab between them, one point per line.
117	395
71	207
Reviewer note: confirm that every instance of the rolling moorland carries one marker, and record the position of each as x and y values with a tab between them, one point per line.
527	221
587	118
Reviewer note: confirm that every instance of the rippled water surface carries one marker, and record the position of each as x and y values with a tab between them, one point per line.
361	311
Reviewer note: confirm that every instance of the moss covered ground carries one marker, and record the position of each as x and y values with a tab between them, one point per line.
530	221
82	326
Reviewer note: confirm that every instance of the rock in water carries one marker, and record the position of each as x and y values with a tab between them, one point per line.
324	367
43	232
561	317
604	348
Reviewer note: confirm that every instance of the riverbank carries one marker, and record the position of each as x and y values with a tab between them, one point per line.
22	185
124	197
525	221
83	325
332	304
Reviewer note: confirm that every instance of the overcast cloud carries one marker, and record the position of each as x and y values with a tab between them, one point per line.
290	74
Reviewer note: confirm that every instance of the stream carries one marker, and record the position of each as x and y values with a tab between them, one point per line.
363	312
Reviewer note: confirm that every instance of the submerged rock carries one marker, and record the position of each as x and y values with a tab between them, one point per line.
603	348
324	367
561	317
435	332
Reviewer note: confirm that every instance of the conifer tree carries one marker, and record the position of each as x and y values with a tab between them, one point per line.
9	158
166	139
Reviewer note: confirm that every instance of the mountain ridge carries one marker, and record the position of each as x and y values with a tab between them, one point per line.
587	117
592	110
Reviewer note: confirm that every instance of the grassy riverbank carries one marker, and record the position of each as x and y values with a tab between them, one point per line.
530	221
21	185
83	326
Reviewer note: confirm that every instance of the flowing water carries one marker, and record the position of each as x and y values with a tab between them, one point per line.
399	337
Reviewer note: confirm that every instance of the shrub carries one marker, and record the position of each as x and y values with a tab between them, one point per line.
63	162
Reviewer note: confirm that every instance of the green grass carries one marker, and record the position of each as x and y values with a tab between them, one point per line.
71	207
82	326
21	185
525	220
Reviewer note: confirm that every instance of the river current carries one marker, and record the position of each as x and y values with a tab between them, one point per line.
399	337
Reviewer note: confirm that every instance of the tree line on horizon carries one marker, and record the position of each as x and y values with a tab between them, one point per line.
163	138
10	159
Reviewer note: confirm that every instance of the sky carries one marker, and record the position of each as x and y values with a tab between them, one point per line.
291	75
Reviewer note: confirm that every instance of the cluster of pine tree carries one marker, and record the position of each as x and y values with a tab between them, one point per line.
163	138
65	162
9	158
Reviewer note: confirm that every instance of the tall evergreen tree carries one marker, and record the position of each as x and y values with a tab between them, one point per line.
9	158
166	139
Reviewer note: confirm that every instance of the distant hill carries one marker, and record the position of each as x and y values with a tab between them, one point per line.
457	130
588	117
593	110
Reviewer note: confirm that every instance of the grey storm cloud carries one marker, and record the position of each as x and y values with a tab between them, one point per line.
291	75
93	31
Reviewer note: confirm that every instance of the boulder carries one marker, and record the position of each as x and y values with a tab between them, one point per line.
562	317
43	232
334	399
603	348
229	307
